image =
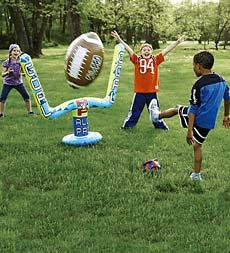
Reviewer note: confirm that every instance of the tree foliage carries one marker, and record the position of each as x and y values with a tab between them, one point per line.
33	23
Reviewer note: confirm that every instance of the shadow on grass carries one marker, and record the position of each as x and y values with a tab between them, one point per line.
196	187
224	199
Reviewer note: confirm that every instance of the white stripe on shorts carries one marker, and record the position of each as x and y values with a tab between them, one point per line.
130	111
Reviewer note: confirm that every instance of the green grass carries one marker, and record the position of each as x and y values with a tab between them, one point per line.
57	198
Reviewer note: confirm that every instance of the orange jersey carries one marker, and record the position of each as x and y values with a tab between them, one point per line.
146	79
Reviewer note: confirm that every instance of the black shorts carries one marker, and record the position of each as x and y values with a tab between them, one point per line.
199	133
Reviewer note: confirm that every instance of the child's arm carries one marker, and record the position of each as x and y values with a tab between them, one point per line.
6	71
172	46
118	38
226	121
189	137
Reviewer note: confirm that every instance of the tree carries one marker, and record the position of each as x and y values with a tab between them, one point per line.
29	19
205	21
222	20
6	32
20	26
73	7
32	22
95	12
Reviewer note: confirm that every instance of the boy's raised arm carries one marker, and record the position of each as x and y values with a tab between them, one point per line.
118	38
173	45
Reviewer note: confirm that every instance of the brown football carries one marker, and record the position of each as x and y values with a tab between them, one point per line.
84	59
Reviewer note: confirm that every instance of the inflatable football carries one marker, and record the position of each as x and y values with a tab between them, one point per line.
84	59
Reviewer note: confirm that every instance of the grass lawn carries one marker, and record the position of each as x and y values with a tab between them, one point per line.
57	198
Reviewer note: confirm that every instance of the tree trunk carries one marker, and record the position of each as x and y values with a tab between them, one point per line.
6	17
21	36
152	38
39	22
220	30
204	45
75	18
63	19
38	37
49	28
29	38
216	44
129	35
226	37
27	29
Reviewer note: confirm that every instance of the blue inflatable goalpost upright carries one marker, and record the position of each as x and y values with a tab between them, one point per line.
79	106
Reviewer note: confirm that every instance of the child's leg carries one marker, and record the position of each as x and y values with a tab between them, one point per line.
2	108
199	136
156	115
5	92
28	106
165	114
135	111
197	157
168	113
24	93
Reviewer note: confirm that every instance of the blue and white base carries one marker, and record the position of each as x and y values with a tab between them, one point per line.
89	139
81	135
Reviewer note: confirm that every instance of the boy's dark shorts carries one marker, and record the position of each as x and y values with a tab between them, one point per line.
199	133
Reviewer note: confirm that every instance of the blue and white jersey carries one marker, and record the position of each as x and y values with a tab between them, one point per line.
206	97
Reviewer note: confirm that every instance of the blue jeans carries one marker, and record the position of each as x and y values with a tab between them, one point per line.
20	88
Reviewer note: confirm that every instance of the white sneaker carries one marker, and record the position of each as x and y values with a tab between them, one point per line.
196	176
154	111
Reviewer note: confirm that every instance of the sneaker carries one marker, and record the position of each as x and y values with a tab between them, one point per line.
160	124
32	114
1	115
154	111
126	128
196	176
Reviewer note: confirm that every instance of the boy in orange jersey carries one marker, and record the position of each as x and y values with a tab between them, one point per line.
146	80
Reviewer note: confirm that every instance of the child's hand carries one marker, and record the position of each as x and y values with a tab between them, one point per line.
116	35
181	39
10	71
226	121
120	40
189	137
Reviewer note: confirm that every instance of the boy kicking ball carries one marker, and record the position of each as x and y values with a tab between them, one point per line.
200	116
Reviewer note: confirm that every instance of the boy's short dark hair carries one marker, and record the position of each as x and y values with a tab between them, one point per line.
205	59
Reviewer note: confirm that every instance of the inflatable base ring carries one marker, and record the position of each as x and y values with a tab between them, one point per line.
90	139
